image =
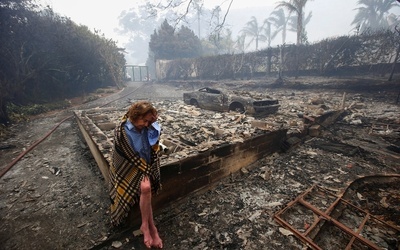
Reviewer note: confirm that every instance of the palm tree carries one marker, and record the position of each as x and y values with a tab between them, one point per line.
279	20
198	6
372	15
227	43
296	6
266	36
253	30
292	23
240	43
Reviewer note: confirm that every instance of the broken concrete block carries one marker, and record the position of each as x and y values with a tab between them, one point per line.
107	126
219	132
314	130
290	143
316	101
260	124
99	117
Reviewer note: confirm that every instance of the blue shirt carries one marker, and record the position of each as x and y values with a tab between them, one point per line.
140	140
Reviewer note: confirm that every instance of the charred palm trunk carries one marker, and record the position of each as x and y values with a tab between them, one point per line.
394	64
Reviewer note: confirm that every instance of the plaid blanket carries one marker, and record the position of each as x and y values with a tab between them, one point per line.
126	172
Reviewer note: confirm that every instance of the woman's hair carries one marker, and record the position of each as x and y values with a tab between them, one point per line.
139	109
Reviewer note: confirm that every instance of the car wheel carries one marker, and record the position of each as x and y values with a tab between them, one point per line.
237	107
194	103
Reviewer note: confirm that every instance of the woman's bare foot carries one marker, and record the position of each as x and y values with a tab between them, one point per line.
157	242
147	239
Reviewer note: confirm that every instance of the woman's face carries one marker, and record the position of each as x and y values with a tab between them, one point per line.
144	121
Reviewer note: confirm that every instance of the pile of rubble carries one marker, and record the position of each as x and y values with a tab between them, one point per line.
199	130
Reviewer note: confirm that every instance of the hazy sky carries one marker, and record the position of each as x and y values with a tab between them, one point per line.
329	18
104	15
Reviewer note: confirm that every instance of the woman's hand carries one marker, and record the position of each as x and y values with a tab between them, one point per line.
154	118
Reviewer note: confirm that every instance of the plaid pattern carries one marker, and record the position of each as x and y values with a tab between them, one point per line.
126	172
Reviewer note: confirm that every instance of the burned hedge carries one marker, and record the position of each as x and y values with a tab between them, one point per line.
368	53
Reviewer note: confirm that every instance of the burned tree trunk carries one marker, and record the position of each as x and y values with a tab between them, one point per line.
4	119
395	61
269	61
394	64
237	64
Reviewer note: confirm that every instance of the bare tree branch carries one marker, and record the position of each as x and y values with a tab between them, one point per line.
220	26
153	10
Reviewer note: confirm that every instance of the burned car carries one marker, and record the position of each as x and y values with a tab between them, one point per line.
219	100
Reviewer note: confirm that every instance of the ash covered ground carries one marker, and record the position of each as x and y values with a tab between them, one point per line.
55	196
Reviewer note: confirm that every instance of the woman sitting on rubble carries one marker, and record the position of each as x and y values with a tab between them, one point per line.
135	168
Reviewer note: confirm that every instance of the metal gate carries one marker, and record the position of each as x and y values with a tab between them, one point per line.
136	73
